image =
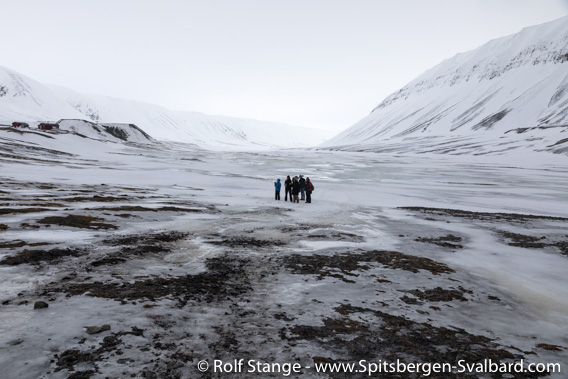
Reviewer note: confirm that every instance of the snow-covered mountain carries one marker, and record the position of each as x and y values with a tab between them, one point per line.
24	99
511	93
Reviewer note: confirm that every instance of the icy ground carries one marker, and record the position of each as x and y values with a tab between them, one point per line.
186	256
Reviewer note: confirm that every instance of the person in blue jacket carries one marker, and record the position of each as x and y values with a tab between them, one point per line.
277	186
302	182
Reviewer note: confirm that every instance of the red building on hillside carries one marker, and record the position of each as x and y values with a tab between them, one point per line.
48	126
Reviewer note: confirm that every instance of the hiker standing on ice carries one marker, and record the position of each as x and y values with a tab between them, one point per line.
296	189
309	189
288	188
302	187
277	186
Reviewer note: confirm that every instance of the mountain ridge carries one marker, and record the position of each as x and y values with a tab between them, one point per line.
24	99
513	82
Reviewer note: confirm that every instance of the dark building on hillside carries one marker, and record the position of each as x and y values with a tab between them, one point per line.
19	124
48	125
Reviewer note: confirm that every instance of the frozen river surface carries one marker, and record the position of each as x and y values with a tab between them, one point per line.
186	255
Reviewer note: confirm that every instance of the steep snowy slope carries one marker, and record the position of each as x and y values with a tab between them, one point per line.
24	99
509	93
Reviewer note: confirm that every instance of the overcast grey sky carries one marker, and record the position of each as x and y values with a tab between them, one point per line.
321	63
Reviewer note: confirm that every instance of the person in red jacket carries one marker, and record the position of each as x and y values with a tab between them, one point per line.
309	189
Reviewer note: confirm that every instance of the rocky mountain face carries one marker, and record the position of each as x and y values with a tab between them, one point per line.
511	93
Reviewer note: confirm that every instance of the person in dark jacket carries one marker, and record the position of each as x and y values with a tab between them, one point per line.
309	189
287	188
302	182
295	189
277	186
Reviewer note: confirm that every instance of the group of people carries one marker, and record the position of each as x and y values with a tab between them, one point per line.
297	186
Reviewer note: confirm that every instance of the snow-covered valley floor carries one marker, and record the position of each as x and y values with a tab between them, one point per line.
183	255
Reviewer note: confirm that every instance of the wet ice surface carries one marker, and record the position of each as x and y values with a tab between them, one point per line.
185	254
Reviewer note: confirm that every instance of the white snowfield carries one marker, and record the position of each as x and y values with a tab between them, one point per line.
511	93
24	99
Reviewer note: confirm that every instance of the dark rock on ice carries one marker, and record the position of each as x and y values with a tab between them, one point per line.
40	305
97	329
